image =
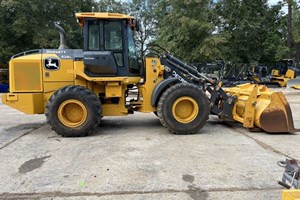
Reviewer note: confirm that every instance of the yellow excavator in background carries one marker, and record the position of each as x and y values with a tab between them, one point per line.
284	71
76	88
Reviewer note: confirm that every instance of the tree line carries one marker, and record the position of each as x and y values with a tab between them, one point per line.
238	31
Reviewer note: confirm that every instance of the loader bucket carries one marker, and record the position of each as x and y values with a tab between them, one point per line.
277	116
258	107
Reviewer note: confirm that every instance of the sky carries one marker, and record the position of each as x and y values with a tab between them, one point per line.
272	2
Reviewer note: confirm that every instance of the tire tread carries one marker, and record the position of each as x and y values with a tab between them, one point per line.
81	92
162	101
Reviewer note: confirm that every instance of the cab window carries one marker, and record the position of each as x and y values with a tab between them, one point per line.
113	36
133	60
94	37
113	40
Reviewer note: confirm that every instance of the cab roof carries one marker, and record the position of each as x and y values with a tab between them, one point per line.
100	15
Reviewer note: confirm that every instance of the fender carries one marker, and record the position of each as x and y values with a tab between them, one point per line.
160	88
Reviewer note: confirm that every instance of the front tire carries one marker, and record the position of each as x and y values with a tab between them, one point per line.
73	111
183	109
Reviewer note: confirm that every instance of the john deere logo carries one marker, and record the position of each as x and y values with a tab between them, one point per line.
51	64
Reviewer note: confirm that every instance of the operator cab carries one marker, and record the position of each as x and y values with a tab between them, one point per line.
109	48
284	64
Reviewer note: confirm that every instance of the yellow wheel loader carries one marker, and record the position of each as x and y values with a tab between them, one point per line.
76	88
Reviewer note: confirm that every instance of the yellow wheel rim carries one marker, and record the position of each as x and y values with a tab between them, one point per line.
72	113
185	109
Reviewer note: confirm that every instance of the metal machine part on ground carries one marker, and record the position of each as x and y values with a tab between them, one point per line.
76	88
290	179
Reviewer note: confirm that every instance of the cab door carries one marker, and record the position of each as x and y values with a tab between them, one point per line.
104	47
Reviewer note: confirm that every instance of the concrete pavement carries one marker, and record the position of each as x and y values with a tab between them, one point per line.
134	157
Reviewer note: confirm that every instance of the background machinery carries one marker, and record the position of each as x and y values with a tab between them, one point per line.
285	70
76	88
3	78
282	74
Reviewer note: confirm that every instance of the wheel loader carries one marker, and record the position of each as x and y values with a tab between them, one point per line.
75	88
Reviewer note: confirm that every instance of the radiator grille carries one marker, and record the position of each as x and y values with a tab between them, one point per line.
26	76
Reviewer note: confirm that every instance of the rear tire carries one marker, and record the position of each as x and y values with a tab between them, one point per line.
73	111
183	109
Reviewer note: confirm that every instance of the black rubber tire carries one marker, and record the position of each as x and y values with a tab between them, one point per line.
87	98
168	98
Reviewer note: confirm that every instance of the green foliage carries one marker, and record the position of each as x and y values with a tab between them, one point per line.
145	12
114	6
30	25
194	30
187	29
254	29
274	41
296	32
296	25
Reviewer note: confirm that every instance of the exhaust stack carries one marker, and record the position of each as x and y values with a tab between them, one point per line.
63	37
